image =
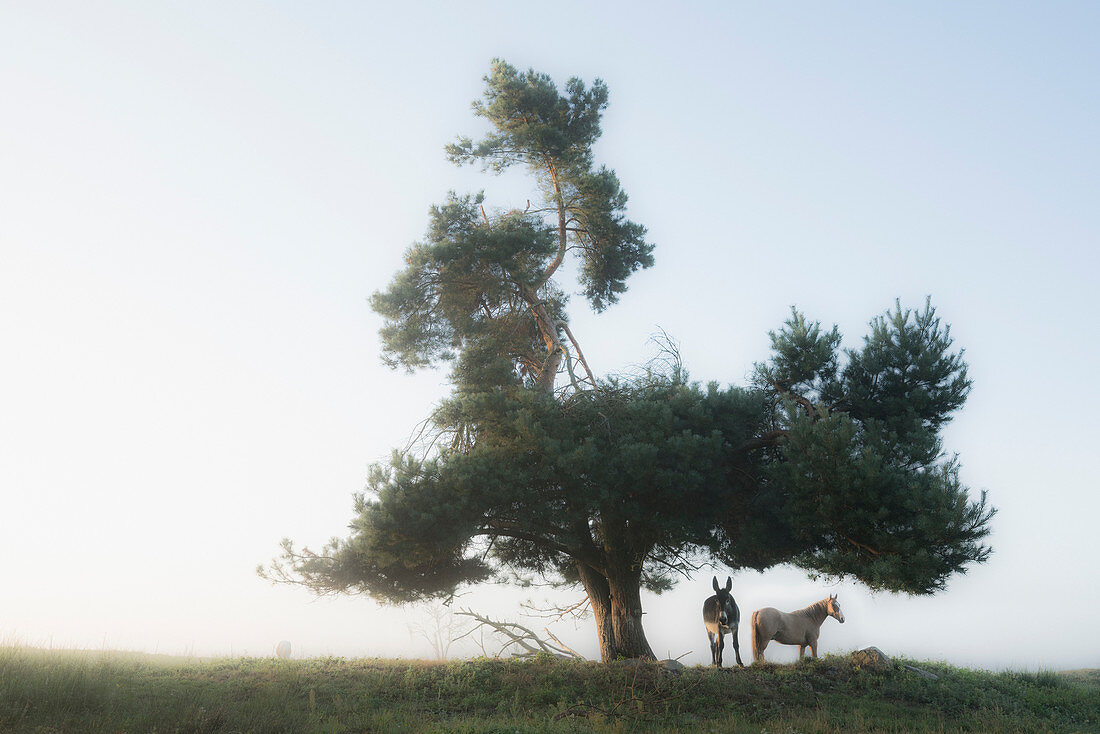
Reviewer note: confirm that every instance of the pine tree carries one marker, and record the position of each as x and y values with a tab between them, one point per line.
830	460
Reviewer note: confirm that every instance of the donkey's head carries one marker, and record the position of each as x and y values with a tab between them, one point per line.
725	601
833	608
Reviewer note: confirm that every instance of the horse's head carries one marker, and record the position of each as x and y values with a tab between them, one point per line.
833	609
725	600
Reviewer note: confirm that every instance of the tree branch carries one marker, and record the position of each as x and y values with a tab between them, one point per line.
578	610
558	199
548	329
861	546
520	636
769	439
580	354
503	528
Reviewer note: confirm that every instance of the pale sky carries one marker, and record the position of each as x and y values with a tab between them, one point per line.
197	200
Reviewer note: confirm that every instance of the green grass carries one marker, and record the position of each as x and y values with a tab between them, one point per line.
56	691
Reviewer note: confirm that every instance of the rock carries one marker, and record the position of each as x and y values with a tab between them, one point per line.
873	658
922	673
672	666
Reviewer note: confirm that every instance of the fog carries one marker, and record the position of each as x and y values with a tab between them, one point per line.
196	202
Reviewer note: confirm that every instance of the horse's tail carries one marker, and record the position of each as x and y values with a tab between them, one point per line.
755	636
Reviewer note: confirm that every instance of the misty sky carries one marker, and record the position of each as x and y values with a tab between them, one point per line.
197	200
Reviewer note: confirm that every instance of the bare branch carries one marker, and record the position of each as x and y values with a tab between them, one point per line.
561	645
580	354
516	635
440	629
577	610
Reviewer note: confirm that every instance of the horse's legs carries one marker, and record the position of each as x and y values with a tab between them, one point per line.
737	647
758	650
813	648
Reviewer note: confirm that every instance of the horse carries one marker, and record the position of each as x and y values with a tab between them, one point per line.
721	617
792	628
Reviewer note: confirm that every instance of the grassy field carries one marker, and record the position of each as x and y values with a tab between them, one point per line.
64	691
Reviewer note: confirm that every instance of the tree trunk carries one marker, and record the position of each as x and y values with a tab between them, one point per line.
549	331
626	617
617	607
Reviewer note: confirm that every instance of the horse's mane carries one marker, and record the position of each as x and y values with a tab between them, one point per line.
818	606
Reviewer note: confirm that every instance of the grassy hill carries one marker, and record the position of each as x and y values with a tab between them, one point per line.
58	691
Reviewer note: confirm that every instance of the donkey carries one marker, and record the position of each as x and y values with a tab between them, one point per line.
721	617
792	628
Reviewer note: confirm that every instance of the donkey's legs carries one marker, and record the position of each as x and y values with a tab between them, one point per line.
721	646
736	647
713	648
801	650
813	648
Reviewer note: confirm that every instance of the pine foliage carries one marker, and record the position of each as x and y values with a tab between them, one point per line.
859	485
830	459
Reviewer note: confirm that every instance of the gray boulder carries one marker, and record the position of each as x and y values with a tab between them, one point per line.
873	658
922	673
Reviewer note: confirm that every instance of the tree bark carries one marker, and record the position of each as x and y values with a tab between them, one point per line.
626	617
549	332
617	608
599	598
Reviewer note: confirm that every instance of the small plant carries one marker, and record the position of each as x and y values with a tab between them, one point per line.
1049	679
58	691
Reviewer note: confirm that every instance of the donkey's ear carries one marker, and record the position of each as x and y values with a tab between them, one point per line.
714	582
832	596
729	583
